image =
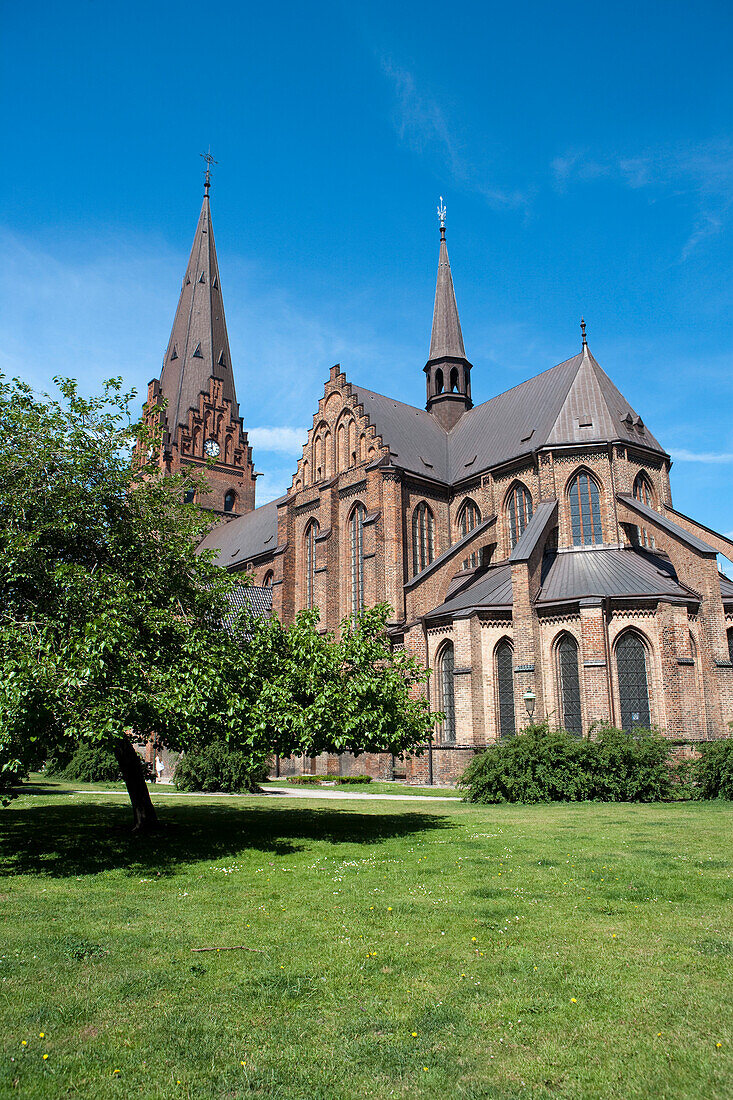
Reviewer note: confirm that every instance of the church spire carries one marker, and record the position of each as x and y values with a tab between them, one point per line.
447	369
200	423
198	348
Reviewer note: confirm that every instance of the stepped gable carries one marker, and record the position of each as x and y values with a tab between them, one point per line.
198	348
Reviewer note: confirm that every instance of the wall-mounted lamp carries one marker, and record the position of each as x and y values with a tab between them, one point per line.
529	702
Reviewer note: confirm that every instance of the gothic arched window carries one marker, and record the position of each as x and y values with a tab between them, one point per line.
519	506
423	537
633	683
439	381
468	518
453	379
189	496
267	582
446	665
230	499
568	675
730	644
310	562
504	659
585	510
644	492
356	546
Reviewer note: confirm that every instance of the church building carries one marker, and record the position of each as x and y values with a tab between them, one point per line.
528	546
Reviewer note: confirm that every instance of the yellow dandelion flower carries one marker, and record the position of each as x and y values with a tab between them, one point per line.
41	1034
659	1035
389	908
425	1069
24	1043
573	1001
718	1044
243	1063
45	1056
473	939
414	1035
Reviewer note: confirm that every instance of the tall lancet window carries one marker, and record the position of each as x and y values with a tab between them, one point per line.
310	563
446	664
585	510
468	518
423	537
643	492
633	683
356	545
569	677
520	512
504	663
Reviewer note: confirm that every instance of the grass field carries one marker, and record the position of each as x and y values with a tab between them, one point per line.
396	950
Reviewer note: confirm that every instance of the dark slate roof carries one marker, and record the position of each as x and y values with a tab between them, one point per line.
452	551
726	588
199	346
490	588
666	524
544	515
246	537
446	338
254	599
415	438
573	402
579	574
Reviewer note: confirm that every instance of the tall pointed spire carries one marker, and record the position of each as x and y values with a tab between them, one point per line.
198	348
201	422
447	369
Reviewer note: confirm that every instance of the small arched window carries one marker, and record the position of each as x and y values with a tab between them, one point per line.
730	645
267	582
453	379
568	675
468	518
423	537
585	510
305	474
439	381
633	682
446	665
356	546
644	492
504	661
310	562
327	451
519	506
230	499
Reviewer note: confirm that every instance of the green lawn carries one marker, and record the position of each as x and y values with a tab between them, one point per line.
397	950
374	787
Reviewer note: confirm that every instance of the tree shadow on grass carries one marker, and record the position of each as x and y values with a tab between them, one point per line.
82	838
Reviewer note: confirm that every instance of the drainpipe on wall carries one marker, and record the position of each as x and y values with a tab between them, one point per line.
430	738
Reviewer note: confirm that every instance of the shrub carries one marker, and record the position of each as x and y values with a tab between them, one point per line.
538	765
713	772
306	780
630	767
343	779
216	767
544	765
88	764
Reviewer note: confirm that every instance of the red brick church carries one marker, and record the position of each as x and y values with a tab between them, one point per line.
528	545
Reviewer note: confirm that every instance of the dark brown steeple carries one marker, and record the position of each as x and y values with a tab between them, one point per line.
201	419
447	369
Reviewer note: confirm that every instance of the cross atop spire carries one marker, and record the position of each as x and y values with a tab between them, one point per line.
582	329
207	174
441	217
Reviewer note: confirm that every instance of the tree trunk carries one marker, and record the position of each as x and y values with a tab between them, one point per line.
145	817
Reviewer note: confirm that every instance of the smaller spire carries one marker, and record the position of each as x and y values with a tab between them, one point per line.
207	174
582	329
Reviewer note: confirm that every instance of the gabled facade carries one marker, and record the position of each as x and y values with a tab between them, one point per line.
528	547
194	401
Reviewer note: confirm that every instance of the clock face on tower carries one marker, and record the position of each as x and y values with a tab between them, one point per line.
211	448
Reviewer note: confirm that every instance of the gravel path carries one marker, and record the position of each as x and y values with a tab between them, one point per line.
291	792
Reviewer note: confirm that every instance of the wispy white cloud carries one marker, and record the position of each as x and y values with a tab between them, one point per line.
702	173
426	126
712	457
281	440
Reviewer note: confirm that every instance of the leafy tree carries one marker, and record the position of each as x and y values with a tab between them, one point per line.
111	623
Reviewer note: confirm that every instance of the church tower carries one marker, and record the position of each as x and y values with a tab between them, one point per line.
200	421
448	372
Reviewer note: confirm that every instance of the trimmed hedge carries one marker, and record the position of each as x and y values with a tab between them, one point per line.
544	765
349	779
216	767
712	774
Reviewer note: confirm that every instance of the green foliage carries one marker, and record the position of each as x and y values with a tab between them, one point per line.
90	763
217	767
348	780
110	621
305	780
545	765
713	772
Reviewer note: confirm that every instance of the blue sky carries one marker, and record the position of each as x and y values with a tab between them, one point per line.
585	154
